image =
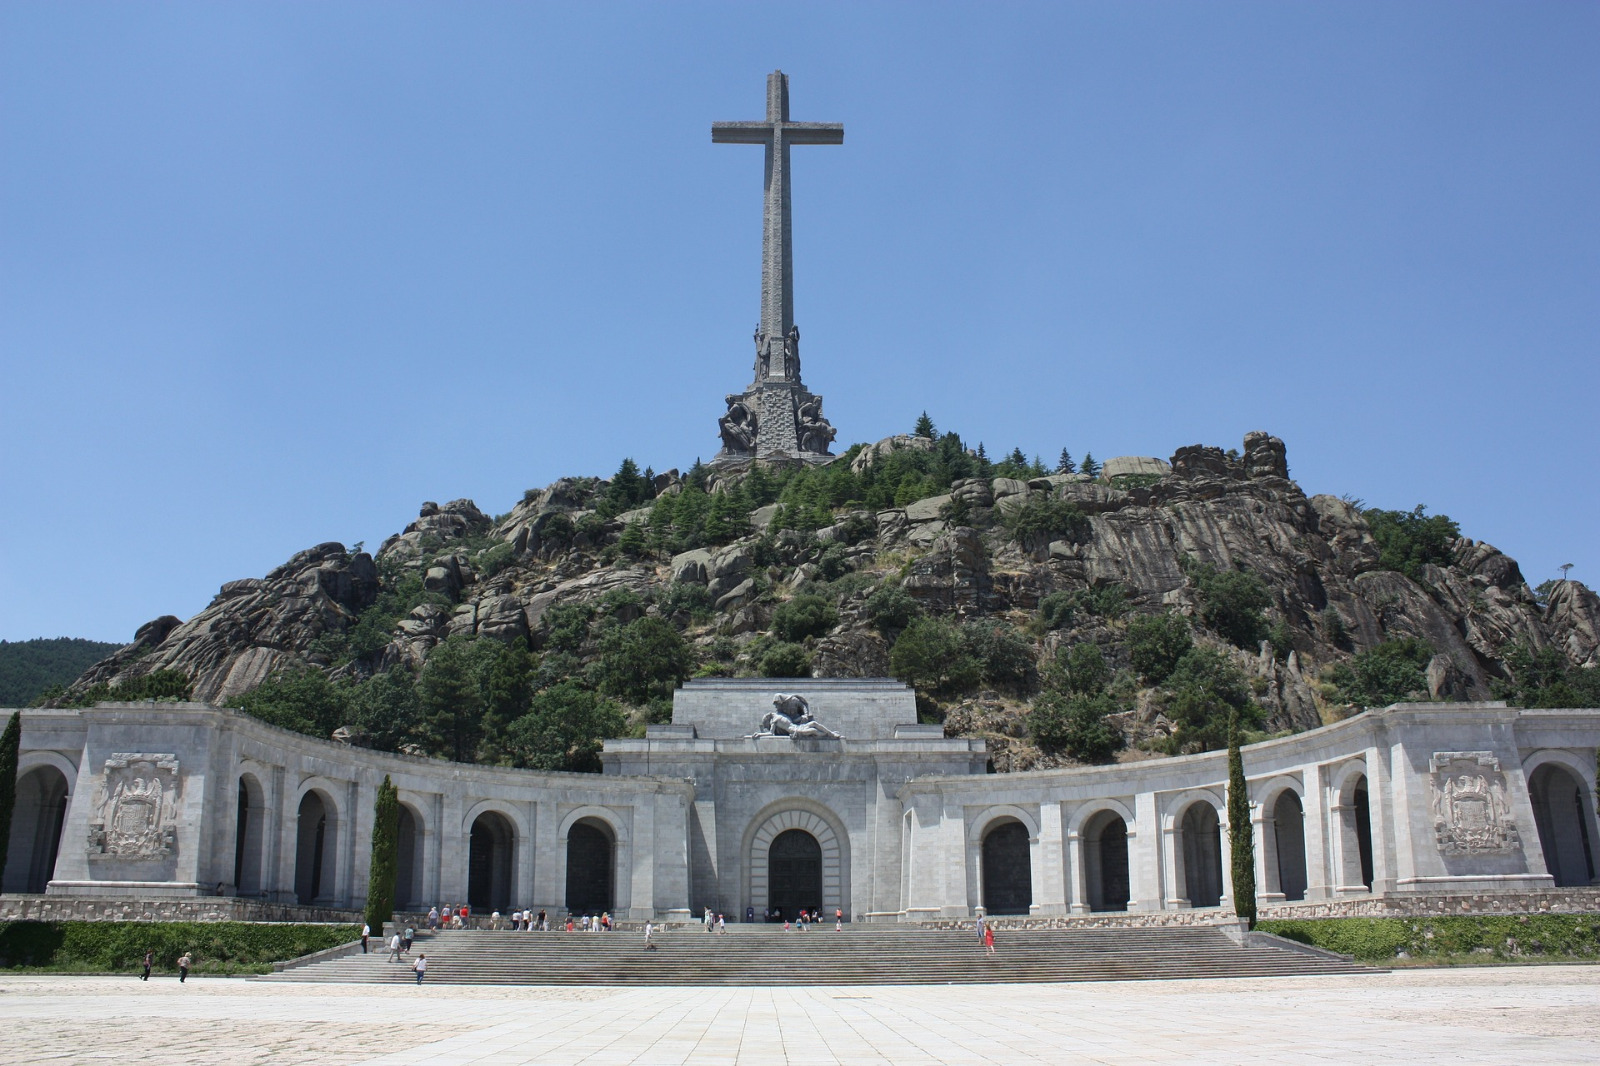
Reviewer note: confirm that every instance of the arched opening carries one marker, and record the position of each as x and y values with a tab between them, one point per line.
1202	855
490	853
408	852
1105	859
794	873
248	830
1362	810
1007	869
1289	833
41	807
315	850
591	877
1560	812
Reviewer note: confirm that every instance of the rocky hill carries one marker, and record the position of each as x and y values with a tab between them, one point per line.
1062	615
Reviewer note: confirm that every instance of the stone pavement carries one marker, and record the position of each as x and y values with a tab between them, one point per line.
1534	1014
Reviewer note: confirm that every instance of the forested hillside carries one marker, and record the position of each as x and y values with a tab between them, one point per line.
1070	612
29	668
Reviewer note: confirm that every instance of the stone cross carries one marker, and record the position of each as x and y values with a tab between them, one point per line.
777	133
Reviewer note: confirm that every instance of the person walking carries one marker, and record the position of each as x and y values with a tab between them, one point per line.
366	934
420	967
988	939
838	921
722	925
749	915
433	916
982	925
149	957
184	962
407	940
649	933
394	947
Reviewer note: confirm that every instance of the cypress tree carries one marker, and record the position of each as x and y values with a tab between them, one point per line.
1241	838
10	745
385	856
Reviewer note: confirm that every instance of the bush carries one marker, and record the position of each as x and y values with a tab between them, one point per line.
564	729
1410	540
156	685
218	947
784	659
1204	688
1464	937
1042	518
1083	669
1545	678
891	608
932	656
644	659
1155	644
302	699
1075	725
1056	611
1004	660
1392	672
802	617
1231	603
687	597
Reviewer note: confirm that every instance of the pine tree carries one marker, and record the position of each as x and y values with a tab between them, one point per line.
10	747
1065	465
385	856
924	427
1089	467
1241	836
450	701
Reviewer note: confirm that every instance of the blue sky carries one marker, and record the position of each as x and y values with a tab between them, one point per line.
274	274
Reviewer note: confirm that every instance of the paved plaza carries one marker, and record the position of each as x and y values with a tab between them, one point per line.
1536	1014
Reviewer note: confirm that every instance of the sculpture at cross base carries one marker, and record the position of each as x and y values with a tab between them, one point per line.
791	717
739	427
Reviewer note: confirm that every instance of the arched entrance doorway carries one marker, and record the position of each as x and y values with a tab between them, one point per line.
41	807
491	850
1353	812
1289	837
794	873
591	868
315	850
1105	860
248	830
1560	812
408	854
1202	855
1007	869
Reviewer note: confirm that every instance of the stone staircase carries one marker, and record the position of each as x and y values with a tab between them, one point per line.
860	955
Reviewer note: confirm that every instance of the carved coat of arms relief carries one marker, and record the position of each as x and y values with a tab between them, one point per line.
136	807
1471	806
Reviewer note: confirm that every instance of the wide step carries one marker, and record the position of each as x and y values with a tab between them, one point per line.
760	955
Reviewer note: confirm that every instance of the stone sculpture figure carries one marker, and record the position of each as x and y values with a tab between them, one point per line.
763	360
738	427
816	434
791	354
791	717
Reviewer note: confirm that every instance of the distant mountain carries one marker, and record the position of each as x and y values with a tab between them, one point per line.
29	667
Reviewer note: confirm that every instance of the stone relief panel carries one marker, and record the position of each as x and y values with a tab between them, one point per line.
135	812
1471	807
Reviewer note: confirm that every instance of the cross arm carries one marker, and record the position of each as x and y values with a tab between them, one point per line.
761	132
741	132
813	132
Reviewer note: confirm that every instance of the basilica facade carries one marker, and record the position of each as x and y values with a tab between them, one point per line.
1396	810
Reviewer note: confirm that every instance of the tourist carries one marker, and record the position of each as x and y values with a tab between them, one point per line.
988	939
464	912
495	920
786	925
569	923
980	926
750	915
184	962
409	938
420	967
722	925
544	921
366	934
394	947
708	919
149	957
433	917
649	931
838	921
605	922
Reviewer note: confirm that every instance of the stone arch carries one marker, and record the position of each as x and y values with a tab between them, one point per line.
1286	865
1199	852
1562	810
43	793
409	849
1352	825
249	835
591	854
823	826
491	861
978	828
316	853
1007	866
1103	851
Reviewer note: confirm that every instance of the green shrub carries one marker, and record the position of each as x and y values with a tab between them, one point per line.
1057	610
1545	678
1103	601
804	616
218	947
1004	659
1409	540
567	626
1042	518
687	597
564	729
1155	644
1204	689
932	656
156	685
1075	725
1231	603
385	856
784	659
1392	672
1448	938
891	608
643	659
10	749
1083	669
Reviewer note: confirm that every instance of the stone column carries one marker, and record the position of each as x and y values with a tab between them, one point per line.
1226	902
527	849
354	826
1147	856
549	861
1172	868
1264	826
1388	813
1049	873
1315	809
453	841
